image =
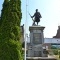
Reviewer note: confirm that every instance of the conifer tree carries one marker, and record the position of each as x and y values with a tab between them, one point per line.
10	46
4	10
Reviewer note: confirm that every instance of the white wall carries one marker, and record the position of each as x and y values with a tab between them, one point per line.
51	40
48	40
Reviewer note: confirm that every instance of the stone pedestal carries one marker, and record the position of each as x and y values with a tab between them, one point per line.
35	50
36	34
36	41
40	58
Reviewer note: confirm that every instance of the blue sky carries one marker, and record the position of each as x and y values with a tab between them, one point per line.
50	11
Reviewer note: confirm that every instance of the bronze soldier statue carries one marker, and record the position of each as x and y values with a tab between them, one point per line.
36	16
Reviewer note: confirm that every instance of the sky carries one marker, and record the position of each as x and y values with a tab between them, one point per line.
50	11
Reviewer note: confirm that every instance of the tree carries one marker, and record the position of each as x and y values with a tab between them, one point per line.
10	45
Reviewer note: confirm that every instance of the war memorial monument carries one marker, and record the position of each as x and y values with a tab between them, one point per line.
35	49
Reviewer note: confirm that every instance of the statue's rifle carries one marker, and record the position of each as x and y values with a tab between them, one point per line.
32	19
31	16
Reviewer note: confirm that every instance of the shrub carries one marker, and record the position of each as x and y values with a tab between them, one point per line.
55	51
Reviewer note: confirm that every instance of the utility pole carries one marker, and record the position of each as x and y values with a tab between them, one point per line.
25	31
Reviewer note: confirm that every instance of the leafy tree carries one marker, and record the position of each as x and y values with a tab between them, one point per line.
10	45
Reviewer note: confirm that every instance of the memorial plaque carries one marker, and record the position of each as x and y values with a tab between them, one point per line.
37	39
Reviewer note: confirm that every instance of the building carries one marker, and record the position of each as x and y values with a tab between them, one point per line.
58	33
